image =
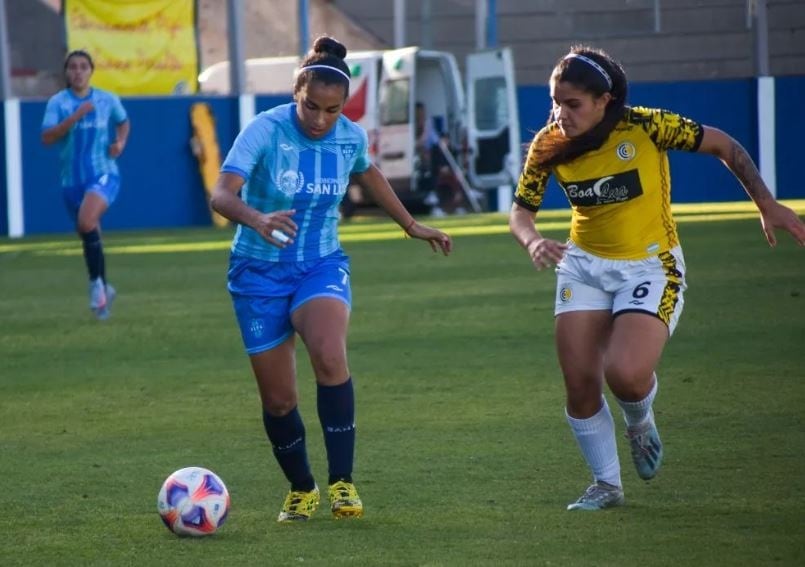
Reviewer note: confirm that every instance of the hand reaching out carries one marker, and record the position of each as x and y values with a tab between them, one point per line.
780	216
437	239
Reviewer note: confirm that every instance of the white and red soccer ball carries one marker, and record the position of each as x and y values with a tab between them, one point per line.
193	502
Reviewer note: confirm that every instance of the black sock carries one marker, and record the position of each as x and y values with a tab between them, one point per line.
336	405
287	436
93	254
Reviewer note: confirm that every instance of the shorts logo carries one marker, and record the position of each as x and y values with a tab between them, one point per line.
290	182
565	295
256	328
626	151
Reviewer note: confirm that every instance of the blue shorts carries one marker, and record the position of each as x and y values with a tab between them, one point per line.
107	186
265	294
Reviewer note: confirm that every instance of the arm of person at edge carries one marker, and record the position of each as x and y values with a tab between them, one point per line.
544	252
377	184
773	214
121	135
226	201
57	132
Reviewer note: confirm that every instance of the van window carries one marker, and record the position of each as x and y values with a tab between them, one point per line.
491	109
394	102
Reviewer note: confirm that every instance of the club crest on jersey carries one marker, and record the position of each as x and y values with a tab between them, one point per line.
348	150
290	182
626	151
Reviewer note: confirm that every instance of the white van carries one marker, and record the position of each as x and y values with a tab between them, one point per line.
477	117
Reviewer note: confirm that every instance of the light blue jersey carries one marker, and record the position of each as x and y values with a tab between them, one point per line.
84	151
285	169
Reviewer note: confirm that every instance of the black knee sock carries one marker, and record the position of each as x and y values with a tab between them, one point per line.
336	405
93	254
287	436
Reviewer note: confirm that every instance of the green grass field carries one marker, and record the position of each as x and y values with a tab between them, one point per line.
464	456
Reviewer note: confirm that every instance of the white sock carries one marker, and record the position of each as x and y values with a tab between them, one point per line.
596	438
639	412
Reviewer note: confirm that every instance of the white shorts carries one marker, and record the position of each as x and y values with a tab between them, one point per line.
654	285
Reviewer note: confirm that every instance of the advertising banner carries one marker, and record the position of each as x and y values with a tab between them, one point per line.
139	47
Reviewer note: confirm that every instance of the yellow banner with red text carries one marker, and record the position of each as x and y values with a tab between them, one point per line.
139	47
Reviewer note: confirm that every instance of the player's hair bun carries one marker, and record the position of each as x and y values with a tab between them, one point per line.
330	46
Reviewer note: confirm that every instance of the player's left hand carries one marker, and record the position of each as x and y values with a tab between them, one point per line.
437	239
116	148
780	216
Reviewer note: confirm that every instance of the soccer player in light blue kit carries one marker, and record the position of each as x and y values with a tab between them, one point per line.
79	118
288	273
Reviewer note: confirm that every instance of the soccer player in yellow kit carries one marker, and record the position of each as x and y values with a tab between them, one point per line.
621	275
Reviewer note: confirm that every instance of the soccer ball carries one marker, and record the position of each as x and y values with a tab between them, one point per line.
193	502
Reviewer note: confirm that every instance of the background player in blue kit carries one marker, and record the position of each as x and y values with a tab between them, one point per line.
288	273
79	118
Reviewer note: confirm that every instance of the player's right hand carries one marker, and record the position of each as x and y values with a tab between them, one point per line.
84	108
545	253
280	221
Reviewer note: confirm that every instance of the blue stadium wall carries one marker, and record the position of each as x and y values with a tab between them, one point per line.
161	184
728	105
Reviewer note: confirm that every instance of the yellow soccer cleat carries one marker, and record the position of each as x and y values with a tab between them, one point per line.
299	505
344	500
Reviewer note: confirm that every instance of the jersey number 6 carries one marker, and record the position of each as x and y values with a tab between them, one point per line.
641	290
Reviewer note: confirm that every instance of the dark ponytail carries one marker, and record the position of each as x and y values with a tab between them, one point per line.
325	63
595	72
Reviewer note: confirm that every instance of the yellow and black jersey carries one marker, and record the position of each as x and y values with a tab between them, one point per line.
620	193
